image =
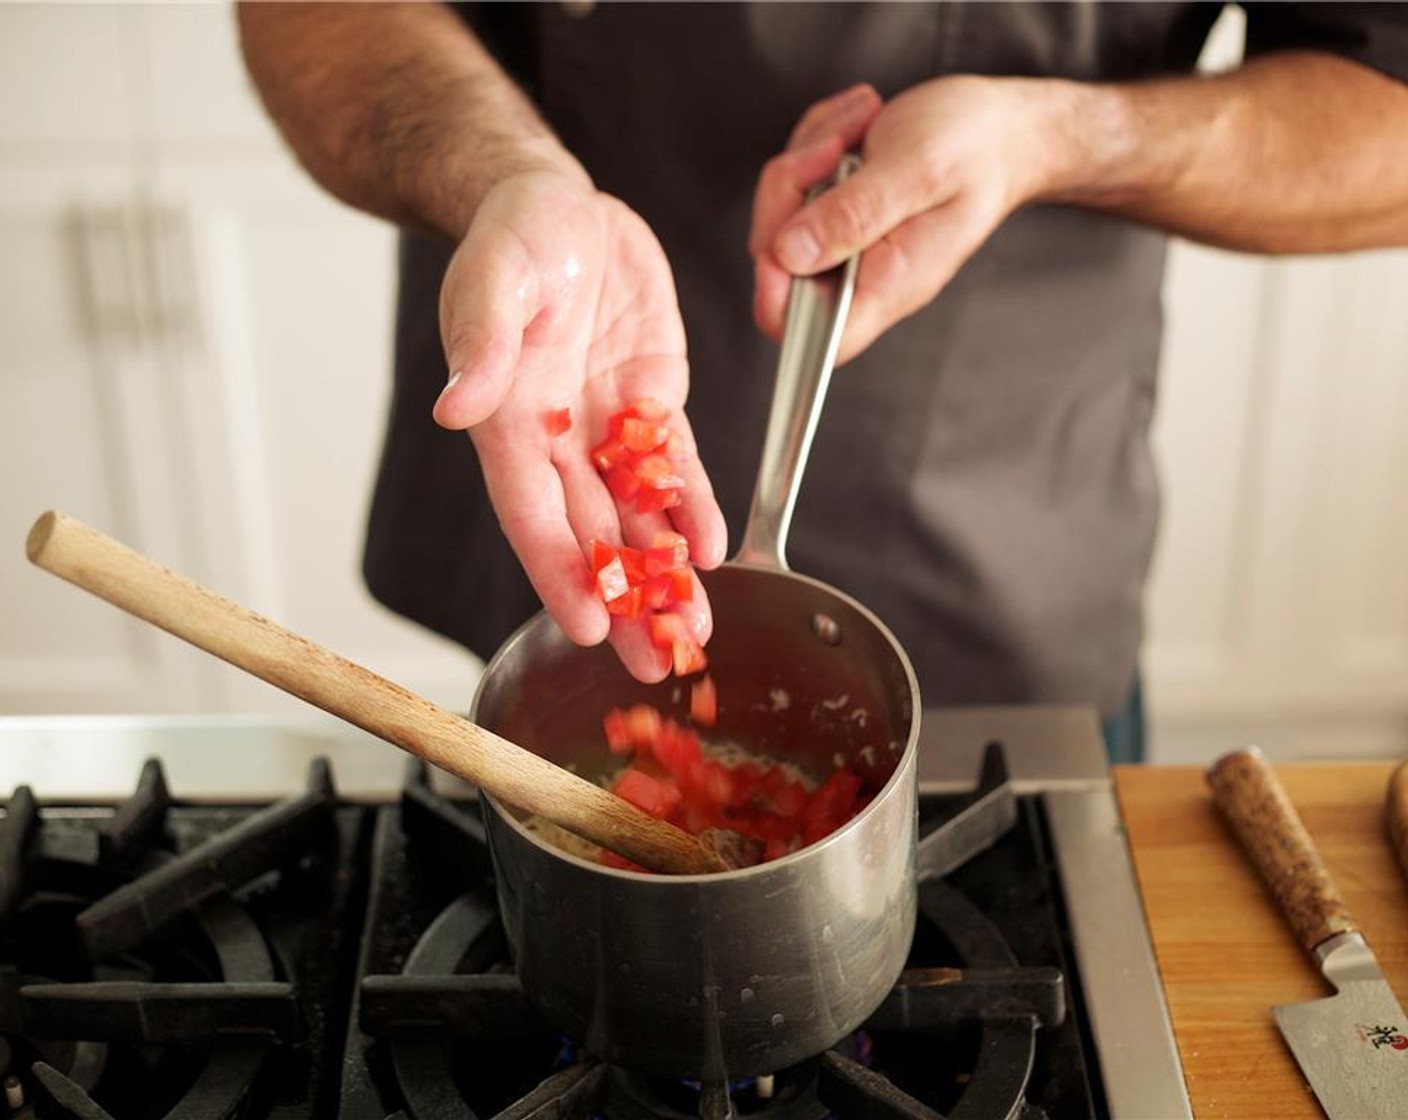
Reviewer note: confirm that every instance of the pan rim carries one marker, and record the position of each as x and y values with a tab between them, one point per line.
907	761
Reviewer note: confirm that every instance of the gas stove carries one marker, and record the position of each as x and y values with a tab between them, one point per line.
227	938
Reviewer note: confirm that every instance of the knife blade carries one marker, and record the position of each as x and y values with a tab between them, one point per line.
1352	1046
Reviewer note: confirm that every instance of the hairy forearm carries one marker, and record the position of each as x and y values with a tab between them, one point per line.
1295	152
397	109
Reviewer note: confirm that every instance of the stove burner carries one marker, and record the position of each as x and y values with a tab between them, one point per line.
165	969
458	1027
134	912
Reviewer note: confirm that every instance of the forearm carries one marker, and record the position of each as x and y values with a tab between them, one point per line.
396	109
1295	152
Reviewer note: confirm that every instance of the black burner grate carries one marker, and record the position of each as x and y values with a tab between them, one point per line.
151	957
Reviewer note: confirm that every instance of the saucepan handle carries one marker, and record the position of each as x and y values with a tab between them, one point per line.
1266	824
816	317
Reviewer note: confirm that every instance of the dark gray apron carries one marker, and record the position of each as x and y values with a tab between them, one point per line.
981	478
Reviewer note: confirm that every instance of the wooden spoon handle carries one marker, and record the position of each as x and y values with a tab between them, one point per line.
1397	813
127	579
1266	824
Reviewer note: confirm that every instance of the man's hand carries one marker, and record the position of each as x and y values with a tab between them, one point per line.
1295	152
944	164
560	297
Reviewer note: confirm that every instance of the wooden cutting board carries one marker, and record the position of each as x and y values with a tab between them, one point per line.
1225	954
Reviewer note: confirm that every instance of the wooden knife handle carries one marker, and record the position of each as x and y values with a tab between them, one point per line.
1397	814
127	579
1266	824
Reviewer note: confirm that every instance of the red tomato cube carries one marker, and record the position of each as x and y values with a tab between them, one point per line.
657	798
611	581
649	500
611	453
559	420
682	585
602	554
642	436
618	737
622	482
642	725
704	702
628	605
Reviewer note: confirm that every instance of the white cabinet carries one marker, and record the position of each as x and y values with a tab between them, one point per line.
197	350
197	344
1279	607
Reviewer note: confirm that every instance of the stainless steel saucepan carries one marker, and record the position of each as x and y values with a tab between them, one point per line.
748	971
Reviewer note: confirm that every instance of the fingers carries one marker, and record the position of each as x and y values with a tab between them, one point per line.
549	503
487	301
698	515
827	130
851	109
907	268
858	212
528	495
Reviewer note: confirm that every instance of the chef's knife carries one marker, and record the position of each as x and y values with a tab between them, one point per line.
1352	1046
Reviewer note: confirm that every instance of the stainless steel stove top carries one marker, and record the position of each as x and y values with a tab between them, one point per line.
1053	752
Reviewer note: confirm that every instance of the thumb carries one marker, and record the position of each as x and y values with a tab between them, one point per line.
484	309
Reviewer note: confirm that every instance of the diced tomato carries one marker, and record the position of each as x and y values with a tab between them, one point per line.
710	781
831	806
787	797
635	462
642	725
623	483
659	592
657	798
628	605
558	421
668	552
704	702
656	501
664	628
658	473
669	632
674	779
668	538
611	453
602	554
618	737
611	581
682	585
642	436
676	748
688	656
633	560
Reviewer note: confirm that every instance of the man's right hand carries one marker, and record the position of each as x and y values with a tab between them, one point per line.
558	297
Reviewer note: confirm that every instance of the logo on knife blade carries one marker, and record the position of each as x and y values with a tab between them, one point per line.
1382	1036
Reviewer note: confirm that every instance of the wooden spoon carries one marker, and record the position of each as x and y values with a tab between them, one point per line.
127	579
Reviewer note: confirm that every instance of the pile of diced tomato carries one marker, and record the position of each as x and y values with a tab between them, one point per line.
672	777
635	460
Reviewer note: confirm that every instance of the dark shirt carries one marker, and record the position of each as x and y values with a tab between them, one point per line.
981	477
